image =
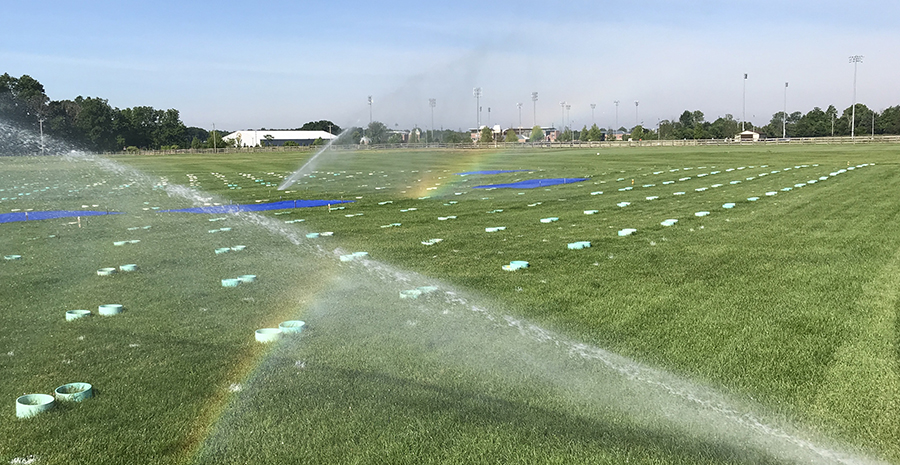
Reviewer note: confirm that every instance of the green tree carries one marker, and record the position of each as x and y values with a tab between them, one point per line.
214	141
487	134
22	100
815	123
169	129
377	132
268	140
95	123
724	128
889	121
537	134
637	133
511	136
321	125
584	135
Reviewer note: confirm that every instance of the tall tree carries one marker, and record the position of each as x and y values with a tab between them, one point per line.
22	100
487	134
377	132
537	134
321	125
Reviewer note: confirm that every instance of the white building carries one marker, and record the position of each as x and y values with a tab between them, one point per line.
254	138
747	136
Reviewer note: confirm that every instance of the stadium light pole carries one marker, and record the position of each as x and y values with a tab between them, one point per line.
534	99
784	114
855	59
617	114
431	103
593	106
636	113
519	106
562	107
476	92
744	104
370	109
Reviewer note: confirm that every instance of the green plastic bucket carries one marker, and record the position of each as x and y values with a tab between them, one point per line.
74	392
292	326
30	405
76	314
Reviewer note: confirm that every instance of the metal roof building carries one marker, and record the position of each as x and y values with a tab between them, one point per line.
253	138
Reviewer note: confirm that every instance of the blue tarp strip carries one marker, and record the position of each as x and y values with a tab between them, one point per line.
283	205
489	172
47	215
532	183
258	207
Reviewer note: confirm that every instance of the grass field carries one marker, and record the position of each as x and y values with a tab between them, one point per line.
784	307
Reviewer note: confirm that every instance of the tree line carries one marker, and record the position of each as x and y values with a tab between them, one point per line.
93	124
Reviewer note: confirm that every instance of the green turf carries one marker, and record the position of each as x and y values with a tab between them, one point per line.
789	301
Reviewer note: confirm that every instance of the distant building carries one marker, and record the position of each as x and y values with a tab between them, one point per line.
615	135
747	136
523	133
253	138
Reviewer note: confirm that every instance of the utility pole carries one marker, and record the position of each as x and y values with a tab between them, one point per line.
215	149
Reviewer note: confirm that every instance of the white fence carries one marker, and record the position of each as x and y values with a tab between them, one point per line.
547	145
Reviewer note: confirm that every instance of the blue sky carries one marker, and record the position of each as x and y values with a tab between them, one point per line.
277	64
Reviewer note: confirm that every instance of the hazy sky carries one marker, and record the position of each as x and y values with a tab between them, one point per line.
279	64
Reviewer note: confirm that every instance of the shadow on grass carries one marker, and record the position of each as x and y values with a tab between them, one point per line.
338	415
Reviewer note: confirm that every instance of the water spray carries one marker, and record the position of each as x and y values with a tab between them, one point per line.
295	176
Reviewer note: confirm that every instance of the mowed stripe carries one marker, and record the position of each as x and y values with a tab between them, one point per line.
863	381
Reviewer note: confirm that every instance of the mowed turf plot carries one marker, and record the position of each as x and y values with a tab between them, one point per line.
784	302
